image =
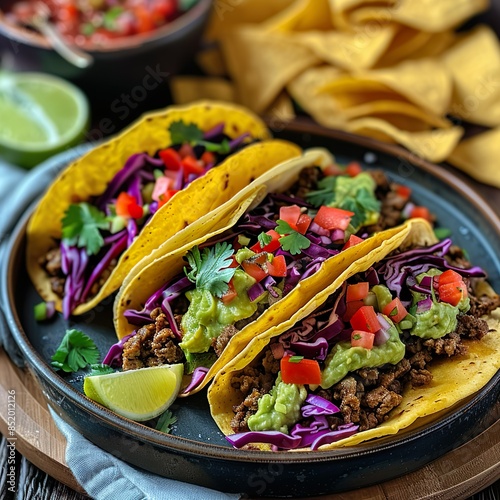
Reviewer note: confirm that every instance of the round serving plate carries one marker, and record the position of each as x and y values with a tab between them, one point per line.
195	451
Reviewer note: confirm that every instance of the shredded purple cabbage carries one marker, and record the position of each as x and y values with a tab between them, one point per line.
198	376
318	406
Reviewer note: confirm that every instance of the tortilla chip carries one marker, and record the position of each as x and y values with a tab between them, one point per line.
280	112
261	64
401	114
355	50
304	90
431	15
211	60
228	14
478	157
474	63
302	15
423	82
186	89
434	145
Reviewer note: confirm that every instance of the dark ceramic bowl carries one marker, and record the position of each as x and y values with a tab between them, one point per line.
140	60
196	452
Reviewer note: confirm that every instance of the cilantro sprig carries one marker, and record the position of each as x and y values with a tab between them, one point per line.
189	133
100	369
75	352
166	421
81	224
291	241
210	268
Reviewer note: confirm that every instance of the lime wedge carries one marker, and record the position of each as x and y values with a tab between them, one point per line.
136	394
41	115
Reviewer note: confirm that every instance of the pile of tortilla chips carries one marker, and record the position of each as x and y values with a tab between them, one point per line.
395	70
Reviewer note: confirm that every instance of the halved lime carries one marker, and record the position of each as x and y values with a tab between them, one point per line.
136	394
40	116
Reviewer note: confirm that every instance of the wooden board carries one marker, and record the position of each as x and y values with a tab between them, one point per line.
458	474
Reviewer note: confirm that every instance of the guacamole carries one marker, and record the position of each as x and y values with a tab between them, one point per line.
279	408
344	359
207	315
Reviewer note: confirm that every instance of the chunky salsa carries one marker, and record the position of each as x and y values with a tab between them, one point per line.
94	22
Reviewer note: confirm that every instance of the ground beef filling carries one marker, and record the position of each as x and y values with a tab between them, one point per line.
51	263
153	345
365	397
156	344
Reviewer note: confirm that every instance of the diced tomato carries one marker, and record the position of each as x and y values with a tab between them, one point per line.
255	266
420	212
305	371
360	338
273	245
230	294
166	196
333	218
171	158
192	166
452	293
449	276
352	308
186	150
353	169
277	267
358	291
353	240
403	191
234	262
395	310
162	185
208	158
303	223
144	20
333	169
291	215
365	318
126	206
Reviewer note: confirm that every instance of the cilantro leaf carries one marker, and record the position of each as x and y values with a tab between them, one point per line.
81	224
325	195
210	269
100	369
76	351
181	133
292	241
264	239
165	422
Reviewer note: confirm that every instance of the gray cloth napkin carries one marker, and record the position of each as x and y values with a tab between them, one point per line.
101	474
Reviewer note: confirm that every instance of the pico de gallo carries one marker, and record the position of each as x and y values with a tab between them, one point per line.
94	22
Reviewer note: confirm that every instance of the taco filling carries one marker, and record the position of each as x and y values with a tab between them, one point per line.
342	369
229	283
96	232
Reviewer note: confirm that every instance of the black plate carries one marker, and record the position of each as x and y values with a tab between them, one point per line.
196	452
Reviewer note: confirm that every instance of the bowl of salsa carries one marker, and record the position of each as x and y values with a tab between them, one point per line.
125	38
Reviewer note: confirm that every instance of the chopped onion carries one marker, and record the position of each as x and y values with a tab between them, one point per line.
255	292
311	350
424	305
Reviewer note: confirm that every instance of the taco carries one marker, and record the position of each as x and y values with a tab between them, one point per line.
401	334
136	192
203	303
